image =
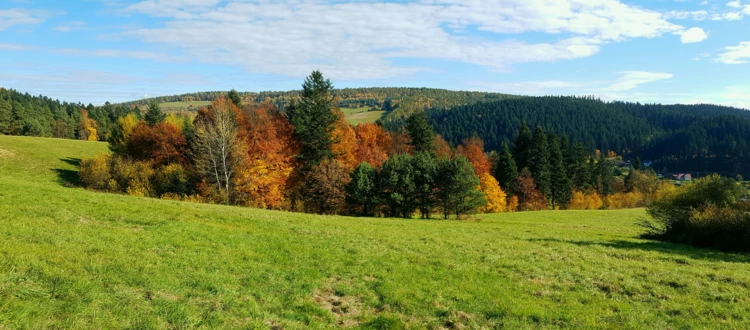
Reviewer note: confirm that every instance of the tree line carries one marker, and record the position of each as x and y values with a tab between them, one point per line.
308	158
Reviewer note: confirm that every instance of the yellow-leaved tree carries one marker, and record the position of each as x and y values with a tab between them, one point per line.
495	196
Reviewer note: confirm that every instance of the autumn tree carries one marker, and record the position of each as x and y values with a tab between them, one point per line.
362	190
494	195
87	127
270	156
121	133
457	185
473	150
442	148
345	144
529	196
161	144
314	120
506	171
217	152
420	132
325	189
154	115
400	143
373	144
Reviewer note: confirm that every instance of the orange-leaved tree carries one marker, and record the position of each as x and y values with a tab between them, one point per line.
529	196
373	144
161	144
344	145
271	157
442	148
473	149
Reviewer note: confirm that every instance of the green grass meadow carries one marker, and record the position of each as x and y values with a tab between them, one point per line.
183	105
72	258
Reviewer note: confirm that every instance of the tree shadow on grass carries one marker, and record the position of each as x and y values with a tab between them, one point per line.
662	247
67	177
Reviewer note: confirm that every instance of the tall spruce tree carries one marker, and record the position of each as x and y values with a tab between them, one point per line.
314	120
457	184
638	164
506	171
560	183
522	148
154	115
539	163
420	132
578	167
397	185
5	117
235	97
605	171
425	174
362	191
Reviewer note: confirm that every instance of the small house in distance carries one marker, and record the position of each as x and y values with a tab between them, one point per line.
682	177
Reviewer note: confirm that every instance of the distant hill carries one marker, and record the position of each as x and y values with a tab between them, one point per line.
691	138
396	102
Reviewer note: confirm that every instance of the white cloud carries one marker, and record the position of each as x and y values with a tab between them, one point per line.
12	17
17	47
698	15
693	35
735	54
632	79
746	11
734	4
728	16
71	26
140	55
361	40
611	88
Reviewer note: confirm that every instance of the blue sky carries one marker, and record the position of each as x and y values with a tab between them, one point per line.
666	51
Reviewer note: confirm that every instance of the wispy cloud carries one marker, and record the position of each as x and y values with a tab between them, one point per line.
363	40
14	17
71	26
739	54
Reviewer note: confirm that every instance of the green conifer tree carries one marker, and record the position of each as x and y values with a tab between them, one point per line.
314	120
154	115
420	132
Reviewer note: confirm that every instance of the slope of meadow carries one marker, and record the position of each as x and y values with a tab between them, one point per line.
71	258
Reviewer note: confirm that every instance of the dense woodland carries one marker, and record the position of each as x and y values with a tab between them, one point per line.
677	138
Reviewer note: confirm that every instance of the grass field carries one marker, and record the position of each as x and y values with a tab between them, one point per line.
71	258
365	117
183	106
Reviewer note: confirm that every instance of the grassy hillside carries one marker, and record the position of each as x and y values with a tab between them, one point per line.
72	258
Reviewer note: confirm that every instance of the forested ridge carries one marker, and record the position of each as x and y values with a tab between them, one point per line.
701	138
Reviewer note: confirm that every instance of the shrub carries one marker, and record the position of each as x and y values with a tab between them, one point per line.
172	179
706	213
94	172
132	177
